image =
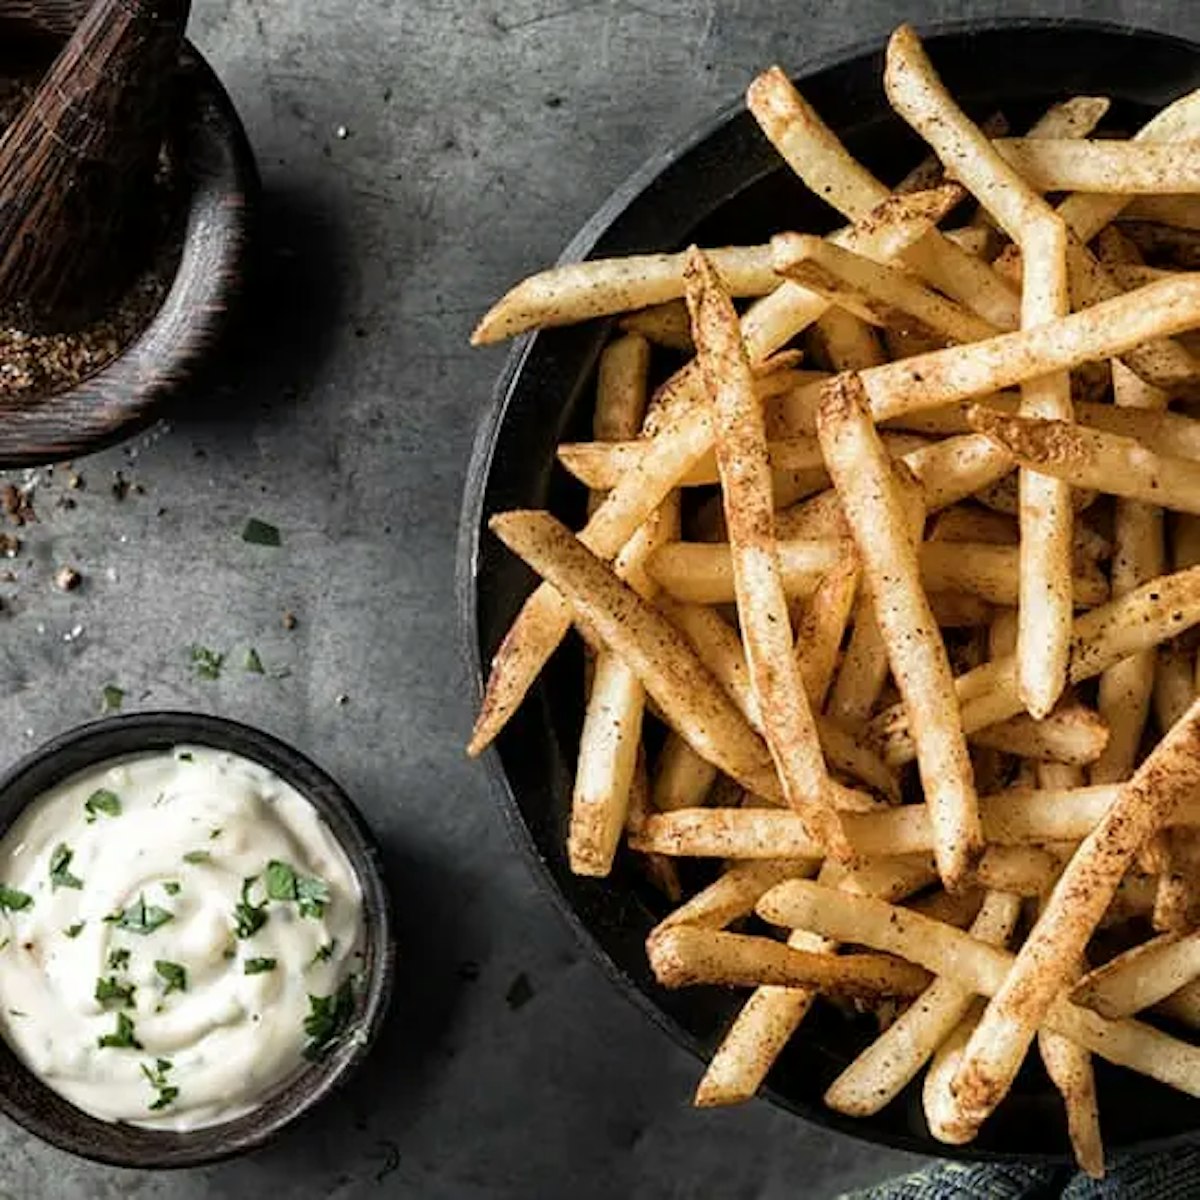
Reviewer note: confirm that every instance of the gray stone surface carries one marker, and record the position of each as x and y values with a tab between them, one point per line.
479	136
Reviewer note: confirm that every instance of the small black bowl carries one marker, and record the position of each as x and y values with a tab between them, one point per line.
725	184
29	1102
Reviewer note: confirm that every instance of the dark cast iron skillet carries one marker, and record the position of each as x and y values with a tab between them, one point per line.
725	184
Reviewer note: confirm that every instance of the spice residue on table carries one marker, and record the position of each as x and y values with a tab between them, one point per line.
36	365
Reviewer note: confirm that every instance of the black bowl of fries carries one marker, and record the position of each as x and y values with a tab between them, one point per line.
871	775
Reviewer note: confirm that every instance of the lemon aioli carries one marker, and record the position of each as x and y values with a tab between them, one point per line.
178	930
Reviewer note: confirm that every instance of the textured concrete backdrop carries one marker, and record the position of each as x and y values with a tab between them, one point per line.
477	138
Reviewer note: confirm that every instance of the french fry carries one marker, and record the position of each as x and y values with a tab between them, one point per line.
1174	684
665	324
1141	977
941	1110
1124	168
944	950
1182	211
990	572
953	908
669	670
788	725
1072	733
820	629
1141	619
599	287
1069	1066
876	513
1177	901
1088	458
1127	687
874	292
929	171
682	778
810	148
657	868
846	342
879	1073
960	610
1069	918
735	893
1021	870
685	955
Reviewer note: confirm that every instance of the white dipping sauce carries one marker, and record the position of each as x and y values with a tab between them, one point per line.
220	1018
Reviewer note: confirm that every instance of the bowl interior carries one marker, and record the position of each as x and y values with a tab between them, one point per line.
30	1102
724	186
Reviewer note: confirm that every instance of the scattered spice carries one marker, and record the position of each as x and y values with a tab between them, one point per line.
10	545
67	579
17	502
253	664
289	619
207	663
120	486
111	698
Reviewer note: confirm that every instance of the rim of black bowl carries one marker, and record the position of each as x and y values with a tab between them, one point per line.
40	1110
126	395
472	528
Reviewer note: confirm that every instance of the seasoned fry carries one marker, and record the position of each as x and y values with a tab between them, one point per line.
821	627
1072	733
941	1109
879	1073
788	724
810	148
1181	211
581	291
1021	870
875	292
1069	918
684	955
1174	685
846	343
990	572
1141	977
1069	1065
1108	166
876	513
736	892
947	951
682	778
665	324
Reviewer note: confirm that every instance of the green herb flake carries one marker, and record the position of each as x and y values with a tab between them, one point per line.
253	664
328	1018
186	756
111	698
109	991
206	663
73	931
259	966
156	1076
216	833
172	887
324	953
12	900
141	917
249	918
102	801
60	875
197	856
122	1038
283	883
174	975
261	533
118	959
4	945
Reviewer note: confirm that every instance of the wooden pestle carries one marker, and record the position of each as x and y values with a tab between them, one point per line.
77	165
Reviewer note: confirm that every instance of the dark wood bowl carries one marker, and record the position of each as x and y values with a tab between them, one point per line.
219	183
31	1103
725	184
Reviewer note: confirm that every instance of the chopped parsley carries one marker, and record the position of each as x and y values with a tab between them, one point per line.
111	698
172	887
258	966
174	975
325	953
197	856
118	959
4	945
102	801
109	991
156	1076
60	861
261	533
328	1018
140	917
253	664
73	931
122	1038
216	833
186	756
12	900
249	918
206	663
310	893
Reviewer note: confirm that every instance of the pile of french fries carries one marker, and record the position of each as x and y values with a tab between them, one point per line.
930	493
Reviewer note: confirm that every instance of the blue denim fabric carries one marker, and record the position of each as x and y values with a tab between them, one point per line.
1173	1176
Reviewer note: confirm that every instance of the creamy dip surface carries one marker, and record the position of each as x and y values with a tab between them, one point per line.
178	931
